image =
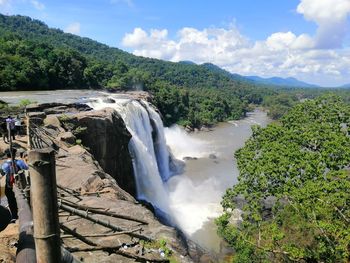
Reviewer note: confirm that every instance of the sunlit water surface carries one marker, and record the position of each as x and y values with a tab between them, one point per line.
196	194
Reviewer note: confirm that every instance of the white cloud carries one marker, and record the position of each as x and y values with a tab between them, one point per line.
5	5
331	18
155	44
38	5
320	58
281	54
4	2
73	28
285	40
8	5
322	11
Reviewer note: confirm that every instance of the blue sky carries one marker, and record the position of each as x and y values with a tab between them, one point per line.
307	39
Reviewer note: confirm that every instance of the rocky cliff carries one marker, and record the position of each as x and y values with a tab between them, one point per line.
93	160
105	135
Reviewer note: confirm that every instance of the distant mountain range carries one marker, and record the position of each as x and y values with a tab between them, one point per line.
289	82
274	81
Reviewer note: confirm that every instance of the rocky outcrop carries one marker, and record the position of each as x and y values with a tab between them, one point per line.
93	158
77	170
57	108
105	135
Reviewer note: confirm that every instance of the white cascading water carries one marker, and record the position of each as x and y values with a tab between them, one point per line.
183	146
150	159
159	143
185	203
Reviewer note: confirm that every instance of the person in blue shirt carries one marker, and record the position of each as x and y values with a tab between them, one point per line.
9	171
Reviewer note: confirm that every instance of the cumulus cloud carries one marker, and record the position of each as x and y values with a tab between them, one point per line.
281	54
331	18
38	5
319	58
285	40
154	44
73	28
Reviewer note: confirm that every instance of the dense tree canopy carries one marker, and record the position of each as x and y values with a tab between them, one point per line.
302	162
35	57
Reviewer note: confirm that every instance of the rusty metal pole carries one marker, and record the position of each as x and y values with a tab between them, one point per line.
44	205
26	247
28	131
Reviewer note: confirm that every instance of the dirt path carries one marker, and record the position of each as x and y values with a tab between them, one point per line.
9	236
8	239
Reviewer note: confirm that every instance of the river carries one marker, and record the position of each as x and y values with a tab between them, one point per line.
46	96
195	195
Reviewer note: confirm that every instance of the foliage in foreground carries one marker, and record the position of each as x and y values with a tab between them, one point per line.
303	162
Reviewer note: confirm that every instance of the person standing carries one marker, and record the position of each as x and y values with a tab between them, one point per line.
9	168
11	127
18	125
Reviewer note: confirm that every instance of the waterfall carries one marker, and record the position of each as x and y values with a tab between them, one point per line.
159	143
147	147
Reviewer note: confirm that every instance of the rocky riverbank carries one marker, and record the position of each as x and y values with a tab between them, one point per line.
93	160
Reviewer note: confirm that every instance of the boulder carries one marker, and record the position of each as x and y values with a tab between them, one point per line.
188	158
212	156
67	137
188	129
52	122
37	117
108	100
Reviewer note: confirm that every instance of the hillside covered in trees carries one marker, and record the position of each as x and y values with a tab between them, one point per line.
35	57
294	188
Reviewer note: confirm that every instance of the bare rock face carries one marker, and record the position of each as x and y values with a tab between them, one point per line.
67	137
76	169
57	108
105	135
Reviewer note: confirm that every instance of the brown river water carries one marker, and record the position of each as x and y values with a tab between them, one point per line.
195	195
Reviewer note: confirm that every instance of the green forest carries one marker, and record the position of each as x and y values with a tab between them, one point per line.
36	57
293	188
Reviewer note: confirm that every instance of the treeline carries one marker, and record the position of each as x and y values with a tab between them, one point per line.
35	65
179	74
294	188
35	57
197	107
279	101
